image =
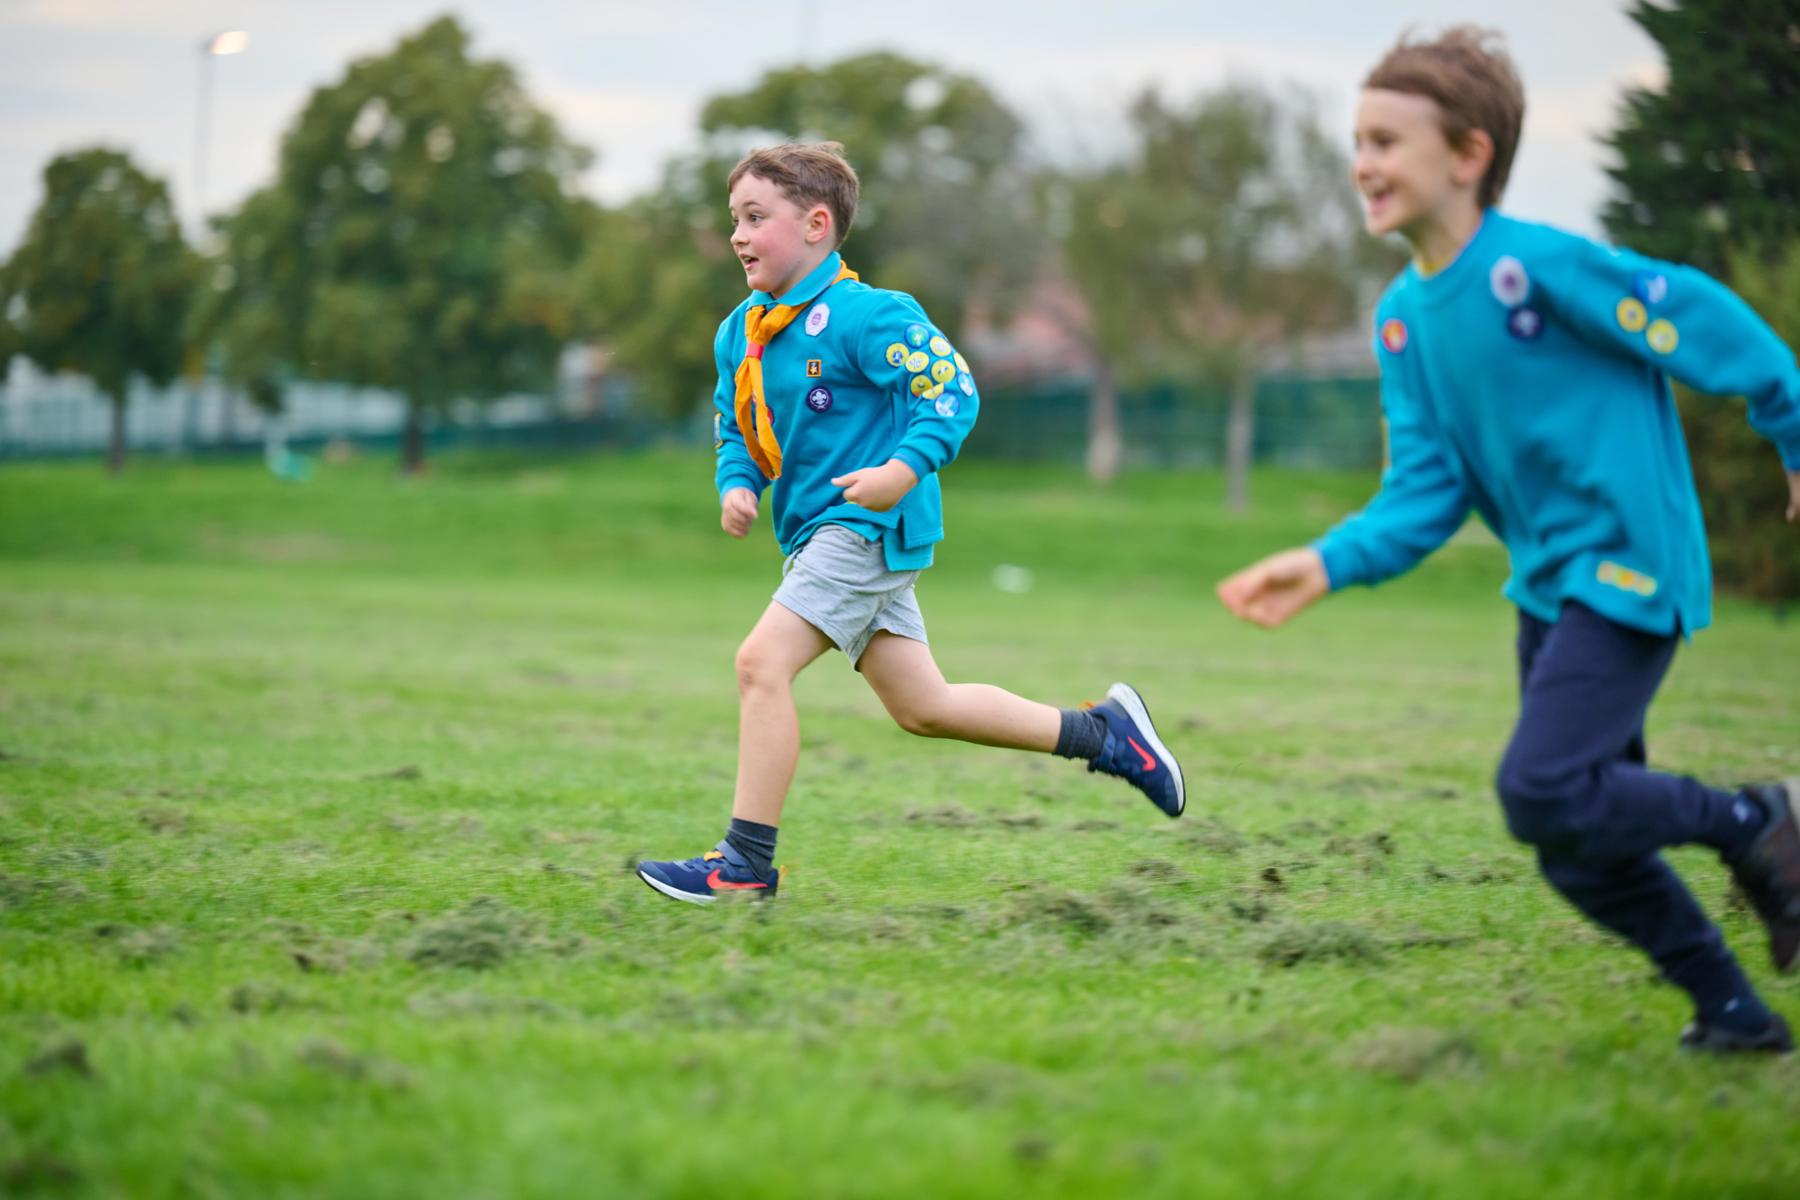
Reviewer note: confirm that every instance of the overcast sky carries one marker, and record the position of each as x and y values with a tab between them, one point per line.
628	80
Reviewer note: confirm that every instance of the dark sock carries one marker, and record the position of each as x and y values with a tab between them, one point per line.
1745	1014
755	842
1739	819
1083	734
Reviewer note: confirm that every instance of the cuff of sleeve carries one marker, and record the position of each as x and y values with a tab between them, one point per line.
1339	563
741	479
912	458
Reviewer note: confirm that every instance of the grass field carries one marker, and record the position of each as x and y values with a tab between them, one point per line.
318	808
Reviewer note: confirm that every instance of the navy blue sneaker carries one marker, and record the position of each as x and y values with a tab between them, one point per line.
1134	753
1701	1038
702	880
1769	871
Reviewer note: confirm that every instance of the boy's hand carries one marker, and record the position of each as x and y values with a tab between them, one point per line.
1276	588
737	509
1793	511
877	488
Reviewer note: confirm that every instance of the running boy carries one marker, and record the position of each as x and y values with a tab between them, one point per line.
1524	375
844	420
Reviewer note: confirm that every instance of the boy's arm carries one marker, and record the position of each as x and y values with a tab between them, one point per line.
1680	321
734	468
902	353
734	471
1420	503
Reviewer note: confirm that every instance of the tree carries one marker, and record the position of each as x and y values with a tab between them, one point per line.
102	280
1708	173
1229	230
1711	160
416	237
945	214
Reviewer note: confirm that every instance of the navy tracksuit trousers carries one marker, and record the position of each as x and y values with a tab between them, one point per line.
1574	784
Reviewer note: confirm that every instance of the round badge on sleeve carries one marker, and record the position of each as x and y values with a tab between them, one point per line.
943	370
896	354
947	405
819	399
1393	335
1509	282
1526	324
817	317
917	361
917	335
940	347
919	384
1631	314
1663	336
966	382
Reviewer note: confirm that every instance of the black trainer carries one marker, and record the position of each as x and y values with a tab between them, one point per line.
1769	871
1701	1038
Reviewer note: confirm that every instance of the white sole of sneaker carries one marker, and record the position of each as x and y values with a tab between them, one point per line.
672	894
1133	704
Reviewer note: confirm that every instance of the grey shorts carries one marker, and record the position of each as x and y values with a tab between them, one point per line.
839	583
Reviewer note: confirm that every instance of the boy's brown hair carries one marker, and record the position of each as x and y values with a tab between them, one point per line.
807	173
1474	87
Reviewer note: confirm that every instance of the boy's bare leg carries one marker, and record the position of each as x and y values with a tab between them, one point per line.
777	650
907	679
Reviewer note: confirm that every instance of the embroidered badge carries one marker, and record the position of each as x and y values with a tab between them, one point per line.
943	370
1650	287
917	335
1509	282
940	347
933	392
815	367
1393	335
1525	324
919	384
917	361
718	430
966	382
895	354
819	399
817	317
1631	314
962	364
947	405
1663	336
1613	575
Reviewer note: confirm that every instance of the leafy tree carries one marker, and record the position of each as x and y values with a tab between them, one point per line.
1708	173
101	282
1229	230
1711	160
416	237
945	212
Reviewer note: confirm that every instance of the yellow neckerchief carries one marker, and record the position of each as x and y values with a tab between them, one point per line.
761	324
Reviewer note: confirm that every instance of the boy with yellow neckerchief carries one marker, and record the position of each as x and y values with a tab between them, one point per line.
839	403
1524	374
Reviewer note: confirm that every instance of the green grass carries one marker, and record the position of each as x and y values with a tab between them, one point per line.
318	806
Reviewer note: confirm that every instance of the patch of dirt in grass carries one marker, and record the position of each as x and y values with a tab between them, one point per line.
139	947
1410	1054
409	771
447	1005
171	821
259	997
950	816
1121	911
63	1055
18	891
1290	945
1215	836
329	1057
34	1171
483	934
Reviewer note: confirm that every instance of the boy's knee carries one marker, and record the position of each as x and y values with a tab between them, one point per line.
1539	805
756	669
921	720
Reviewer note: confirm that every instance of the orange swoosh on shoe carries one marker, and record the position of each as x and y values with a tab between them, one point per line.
714	882
1149	763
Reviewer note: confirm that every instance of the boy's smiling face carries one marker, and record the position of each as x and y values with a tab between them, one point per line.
776	240
1409	174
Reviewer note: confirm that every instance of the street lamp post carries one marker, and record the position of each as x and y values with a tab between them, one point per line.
232	42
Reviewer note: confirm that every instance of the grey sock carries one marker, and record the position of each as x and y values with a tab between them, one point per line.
755	842
1083	734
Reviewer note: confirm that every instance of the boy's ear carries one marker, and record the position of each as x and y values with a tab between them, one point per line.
1474	155
818	223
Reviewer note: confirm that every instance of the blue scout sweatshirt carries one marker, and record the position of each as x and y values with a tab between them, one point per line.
1528	380
861	376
